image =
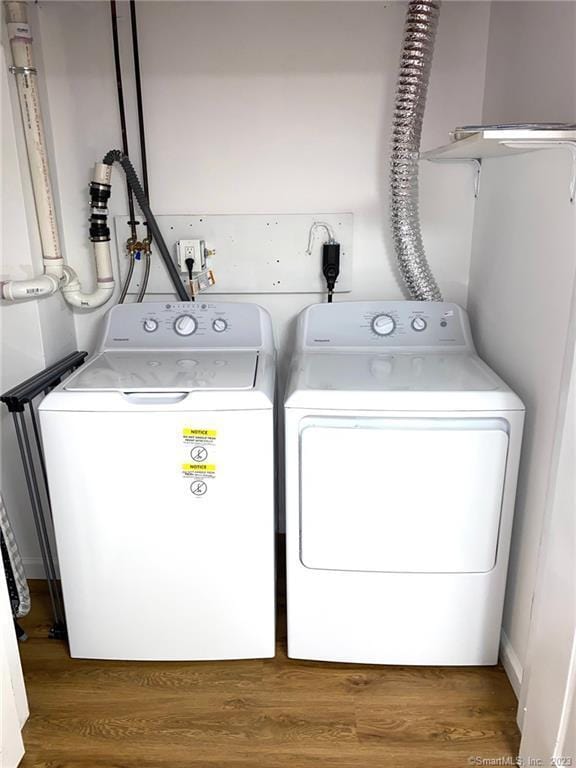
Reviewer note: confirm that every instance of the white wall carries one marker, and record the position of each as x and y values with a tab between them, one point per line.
258	107
531	69
250	108
549	693
523	266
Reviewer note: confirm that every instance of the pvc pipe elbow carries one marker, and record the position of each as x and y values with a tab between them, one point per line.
54	267
35	288
74	296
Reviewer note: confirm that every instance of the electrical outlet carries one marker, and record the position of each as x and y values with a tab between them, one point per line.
191	249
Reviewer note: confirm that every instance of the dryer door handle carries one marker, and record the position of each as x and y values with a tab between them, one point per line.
154	398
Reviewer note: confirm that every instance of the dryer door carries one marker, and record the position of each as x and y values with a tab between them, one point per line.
402	495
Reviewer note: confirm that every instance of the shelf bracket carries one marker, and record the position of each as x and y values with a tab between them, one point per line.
476	162
568	144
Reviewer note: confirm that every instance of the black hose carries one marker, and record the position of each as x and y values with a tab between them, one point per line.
115	155
138	80
122	110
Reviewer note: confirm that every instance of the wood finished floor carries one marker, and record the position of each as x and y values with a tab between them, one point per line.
276	713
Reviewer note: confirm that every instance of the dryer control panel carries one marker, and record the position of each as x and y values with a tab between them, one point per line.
179	325
385	324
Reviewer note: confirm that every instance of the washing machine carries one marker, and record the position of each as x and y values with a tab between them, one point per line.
402	450
160	461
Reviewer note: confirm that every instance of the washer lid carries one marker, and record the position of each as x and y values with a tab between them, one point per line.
155	371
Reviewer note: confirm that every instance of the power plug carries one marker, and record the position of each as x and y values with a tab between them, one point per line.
191	249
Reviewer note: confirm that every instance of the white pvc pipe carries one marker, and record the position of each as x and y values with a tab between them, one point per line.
35	288
26	83
56	274
72	291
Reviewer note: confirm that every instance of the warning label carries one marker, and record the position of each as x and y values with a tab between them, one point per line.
199	470
200	446
193	436
199	454
198	487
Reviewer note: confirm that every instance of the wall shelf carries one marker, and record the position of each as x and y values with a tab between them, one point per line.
505	143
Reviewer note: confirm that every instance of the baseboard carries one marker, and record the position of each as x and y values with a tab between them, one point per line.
511	663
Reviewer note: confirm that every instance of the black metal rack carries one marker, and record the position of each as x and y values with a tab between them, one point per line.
20	402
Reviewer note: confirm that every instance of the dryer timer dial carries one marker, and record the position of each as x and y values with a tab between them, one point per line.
383	325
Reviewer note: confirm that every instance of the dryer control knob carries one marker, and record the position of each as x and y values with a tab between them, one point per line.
219	325
150	325
419	324
383	325
185	325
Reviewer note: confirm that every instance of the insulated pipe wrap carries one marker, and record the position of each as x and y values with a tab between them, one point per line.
411	89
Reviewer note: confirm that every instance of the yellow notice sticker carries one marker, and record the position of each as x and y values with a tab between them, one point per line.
199	467
201	446
209	433
199	471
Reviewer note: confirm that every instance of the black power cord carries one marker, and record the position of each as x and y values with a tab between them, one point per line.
331	266
190	267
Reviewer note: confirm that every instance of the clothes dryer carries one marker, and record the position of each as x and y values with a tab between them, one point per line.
402	450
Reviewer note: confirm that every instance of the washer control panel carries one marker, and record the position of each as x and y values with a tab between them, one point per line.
390	324
202	325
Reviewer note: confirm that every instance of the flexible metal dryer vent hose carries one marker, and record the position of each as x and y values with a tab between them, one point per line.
416	61
115	155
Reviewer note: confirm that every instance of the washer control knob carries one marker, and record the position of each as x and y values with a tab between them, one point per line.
219	325
150	325
383	325
185	325
419	324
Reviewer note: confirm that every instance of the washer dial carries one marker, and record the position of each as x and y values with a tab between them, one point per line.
419	324
383	325
219	325
150	325
185	325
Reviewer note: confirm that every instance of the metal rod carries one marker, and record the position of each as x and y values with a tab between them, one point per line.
59	619
30	457
40	452
42	529
36	513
